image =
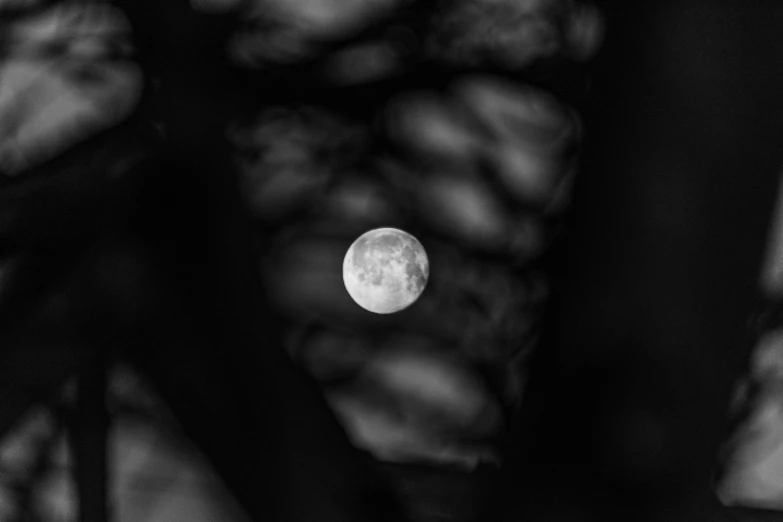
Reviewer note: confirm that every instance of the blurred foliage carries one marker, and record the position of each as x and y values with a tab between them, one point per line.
152	463
65	74
752	458
362	113
480	172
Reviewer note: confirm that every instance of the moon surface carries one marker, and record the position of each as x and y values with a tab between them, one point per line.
385	270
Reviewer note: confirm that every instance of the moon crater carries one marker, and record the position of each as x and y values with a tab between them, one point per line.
385	270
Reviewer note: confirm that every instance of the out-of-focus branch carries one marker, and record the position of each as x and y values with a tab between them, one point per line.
89	442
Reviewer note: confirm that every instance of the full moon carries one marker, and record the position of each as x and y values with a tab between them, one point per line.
385	270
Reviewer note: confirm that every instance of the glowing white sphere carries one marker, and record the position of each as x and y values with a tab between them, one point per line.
385	270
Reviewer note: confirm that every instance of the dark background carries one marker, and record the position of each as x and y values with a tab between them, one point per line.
647	331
